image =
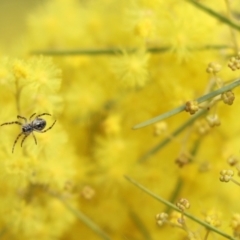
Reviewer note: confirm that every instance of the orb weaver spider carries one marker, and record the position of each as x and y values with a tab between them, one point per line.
37	125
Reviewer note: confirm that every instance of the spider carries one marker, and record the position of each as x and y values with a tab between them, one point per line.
37	124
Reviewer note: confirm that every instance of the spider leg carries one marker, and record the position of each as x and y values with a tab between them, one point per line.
15	122
24	139
48	128
34	138
16	141
43	115
31	116
20	117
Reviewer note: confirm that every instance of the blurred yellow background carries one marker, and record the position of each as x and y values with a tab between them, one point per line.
99	67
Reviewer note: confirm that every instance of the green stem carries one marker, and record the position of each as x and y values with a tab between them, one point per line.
114	51
206	235
214	14
140	225
235	181
175	193
196	147
85	220
181	108
232	31
167	203
163	143
93	52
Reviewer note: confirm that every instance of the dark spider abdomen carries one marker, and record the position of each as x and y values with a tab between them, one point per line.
39	124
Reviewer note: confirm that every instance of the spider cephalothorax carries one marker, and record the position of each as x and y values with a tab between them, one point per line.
37	125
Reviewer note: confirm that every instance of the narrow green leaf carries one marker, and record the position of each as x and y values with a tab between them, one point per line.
214	14
167	203
85	219
92	52
114	51
164	142
140	226
181	108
